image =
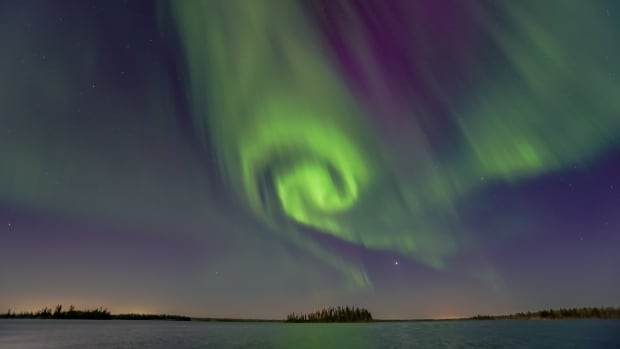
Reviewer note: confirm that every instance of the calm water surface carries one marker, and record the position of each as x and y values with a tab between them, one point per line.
167	334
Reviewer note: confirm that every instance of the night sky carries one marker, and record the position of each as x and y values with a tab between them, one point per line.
243	158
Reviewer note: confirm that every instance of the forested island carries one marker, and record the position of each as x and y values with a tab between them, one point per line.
333	314
90	314
562	313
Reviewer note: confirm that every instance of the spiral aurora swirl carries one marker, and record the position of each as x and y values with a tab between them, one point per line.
302	167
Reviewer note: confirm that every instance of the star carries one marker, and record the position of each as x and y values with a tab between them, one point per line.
395	262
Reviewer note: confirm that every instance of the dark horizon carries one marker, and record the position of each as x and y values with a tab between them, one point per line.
612	312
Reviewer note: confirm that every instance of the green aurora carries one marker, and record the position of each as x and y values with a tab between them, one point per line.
300	151
285	129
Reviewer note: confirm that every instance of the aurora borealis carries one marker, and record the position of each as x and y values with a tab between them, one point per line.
243	158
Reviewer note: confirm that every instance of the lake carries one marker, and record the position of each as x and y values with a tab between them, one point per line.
26	333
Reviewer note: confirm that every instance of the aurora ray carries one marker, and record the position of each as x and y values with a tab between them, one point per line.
289	136
298	147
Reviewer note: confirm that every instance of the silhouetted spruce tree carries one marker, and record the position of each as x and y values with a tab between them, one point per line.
58	312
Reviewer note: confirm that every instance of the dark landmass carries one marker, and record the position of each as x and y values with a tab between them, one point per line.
327	315
558	314
91	314
333	314
151	317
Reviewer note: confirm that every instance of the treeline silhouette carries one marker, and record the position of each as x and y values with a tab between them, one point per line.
562	313
332	314
151	317
60	313
94	314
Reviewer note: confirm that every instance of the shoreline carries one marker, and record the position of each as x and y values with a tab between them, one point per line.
584	313
225	320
